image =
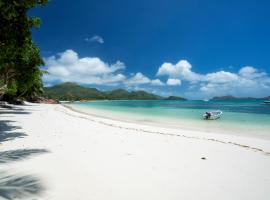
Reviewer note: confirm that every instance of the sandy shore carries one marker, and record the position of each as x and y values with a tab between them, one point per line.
51	152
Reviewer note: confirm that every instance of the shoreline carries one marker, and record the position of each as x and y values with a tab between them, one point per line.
168	131
77	156
171	123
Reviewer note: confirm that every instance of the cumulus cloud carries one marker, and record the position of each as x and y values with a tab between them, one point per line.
251	72
67	66
181	70
138	79
219	77
249	81
173	82
141	79
157	82
95	38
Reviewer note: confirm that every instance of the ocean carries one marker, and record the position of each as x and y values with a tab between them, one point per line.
249	116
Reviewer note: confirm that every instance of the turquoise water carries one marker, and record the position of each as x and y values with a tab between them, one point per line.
250	116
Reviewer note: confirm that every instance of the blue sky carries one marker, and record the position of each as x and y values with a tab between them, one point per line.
191	48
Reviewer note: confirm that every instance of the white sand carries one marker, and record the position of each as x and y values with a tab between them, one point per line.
80	157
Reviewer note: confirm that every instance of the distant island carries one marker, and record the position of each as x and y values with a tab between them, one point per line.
73	92
229	97
175	98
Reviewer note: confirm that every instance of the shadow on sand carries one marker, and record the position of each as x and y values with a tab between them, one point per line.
19	154
8	131
17	186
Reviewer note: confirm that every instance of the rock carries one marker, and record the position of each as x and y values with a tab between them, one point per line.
44	101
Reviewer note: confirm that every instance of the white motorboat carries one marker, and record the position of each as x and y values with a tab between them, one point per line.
215	114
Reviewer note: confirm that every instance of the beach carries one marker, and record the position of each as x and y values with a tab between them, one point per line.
52	152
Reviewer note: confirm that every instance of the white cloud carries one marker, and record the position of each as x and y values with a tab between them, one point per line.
219	77
173	82
118	65
157	82
141	79
241	86
95	38
251	72
138	79
67	66
181	70
249	81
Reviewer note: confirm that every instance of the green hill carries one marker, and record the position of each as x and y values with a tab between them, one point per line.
74	92
229	97
117	94
175	98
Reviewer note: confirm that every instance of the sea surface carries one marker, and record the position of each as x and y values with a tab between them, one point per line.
250	116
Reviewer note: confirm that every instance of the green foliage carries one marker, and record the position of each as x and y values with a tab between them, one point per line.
19	57
11	90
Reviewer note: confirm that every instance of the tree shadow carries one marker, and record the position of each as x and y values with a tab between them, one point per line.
7	131
10	107
14	112
19	154
14	186
18	186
